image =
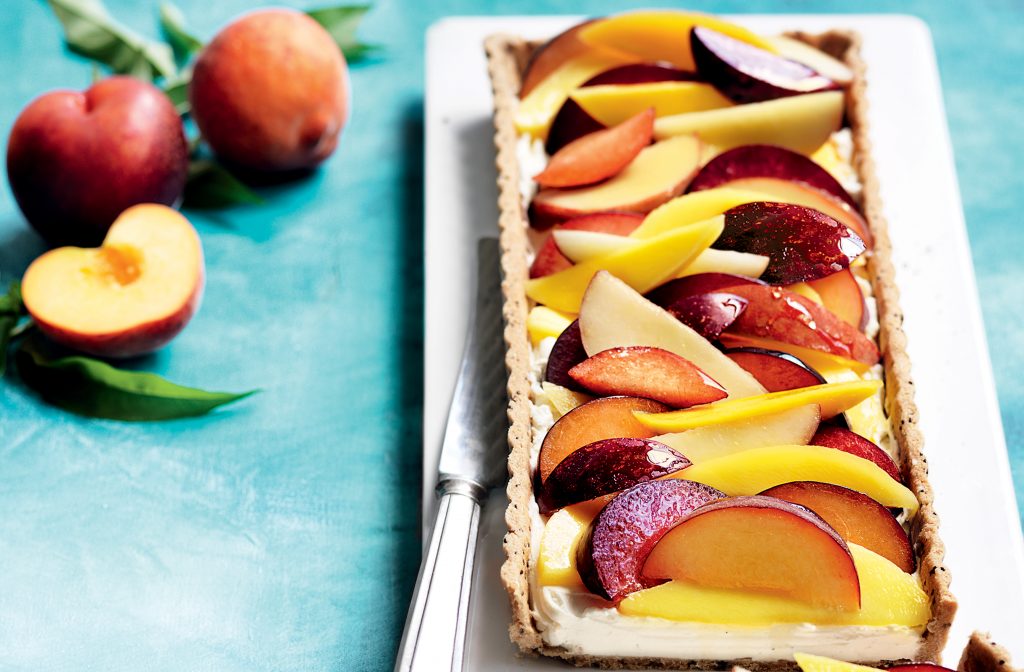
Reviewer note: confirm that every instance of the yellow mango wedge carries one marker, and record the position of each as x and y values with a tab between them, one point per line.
642	267
543	322
866	418
811	663
562	398
661	35
556	558
889	596
816	359
540	106
693	207
753	471
612	104
800	123
832	398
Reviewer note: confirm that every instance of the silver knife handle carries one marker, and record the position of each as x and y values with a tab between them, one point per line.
435	629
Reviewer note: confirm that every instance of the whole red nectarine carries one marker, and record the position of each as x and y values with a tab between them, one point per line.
76	160
270	91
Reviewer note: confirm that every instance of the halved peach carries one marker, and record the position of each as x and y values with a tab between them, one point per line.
800	123
661	35
612	104
652	373
854	516
605	418
658	173
760	544
840	294
598	156
130	296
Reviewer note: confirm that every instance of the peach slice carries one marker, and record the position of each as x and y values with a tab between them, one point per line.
658	173
787	191
855	516
831	398
600	155
130	296
759	544
580	246
605	467
562	398
726	261
605	418
543	322
801	52
752	471
614	315
618	542
550	56
642	267
612	104
539	106
888	597
816	359
840	293
550	258
775	314
777	371
794	427
855	444
563	532
652	373
661	35
800	123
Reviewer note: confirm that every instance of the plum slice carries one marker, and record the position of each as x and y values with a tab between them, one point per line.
708	314
641	73
648	372
674	291
597	156
847	441
566	353
776	314
616	546
604	418
801	243
605	467
747	74
775	370
571	123
768	161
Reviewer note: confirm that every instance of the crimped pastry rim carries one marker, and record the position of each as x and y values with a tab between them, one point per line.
507	56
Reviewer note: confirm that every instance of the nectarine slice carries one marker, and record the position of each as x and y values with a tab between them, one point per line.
614	315
618	542
840	294
605	467
777	371
550	258
726	261
658	173
888	597
661	35
854	515
612	104
126	298
855	444
605	418
800	123
550	56
752	471
759	544
652	373
600	155
642	266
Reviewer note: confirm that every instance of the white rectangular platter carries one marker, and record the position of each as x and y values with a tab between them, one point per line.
955	390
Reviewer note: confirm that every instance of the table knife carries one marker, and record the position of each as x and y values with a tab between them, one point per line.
473	460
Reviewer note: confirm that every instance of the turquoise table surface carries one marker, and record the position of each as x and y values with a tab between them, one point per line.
282	533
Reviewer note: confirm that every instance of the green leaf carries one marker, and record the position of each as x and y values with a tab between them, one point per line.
172	25
210	185
11	303
90	31
7	325
176	89
96	389
342	23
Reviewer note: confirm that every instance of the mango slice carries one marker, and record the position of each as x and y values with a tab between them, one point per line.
866	418
811	663
832	398
540	106
563	399
556	558
693	207
816	359
752	471
661	35
543	322
612	104
641	267
889	596
800	123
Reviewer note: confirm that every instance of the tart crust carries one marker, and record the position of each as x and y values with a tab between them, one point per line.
507	57
984	655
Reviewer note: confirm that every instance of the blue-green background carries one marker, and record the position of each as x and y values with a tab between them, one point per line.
283	533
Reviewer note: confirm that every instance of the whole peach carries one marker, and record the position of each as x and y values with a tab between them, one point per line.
76	160
270	91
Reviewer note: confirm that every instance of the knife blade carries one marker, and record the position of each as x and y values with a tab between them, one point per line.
473	460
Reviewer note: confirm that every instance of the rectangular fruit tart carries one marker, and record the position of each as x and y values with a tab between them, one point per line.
714	451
